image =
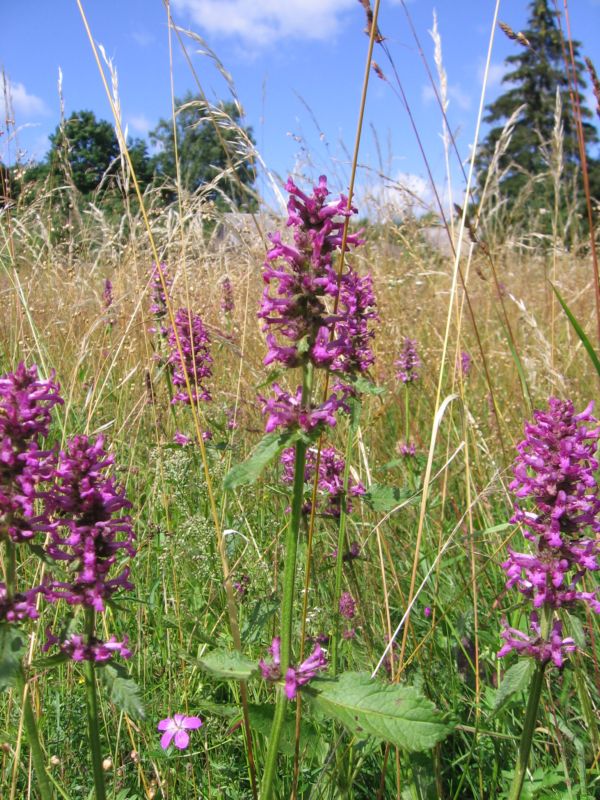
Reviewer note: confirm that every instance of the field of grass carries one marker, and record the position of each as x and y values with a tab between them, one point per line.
423	546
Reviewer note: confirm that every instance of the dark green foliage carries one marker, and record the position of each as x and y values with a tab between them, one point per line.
210	140
534	75
87	150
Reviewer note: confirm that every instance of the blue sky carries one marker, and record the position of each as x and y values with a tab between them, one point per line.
297	66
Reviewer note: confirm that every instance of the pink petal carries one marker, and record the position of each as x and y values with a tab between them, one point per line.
165	739
191	723
164	724
182	740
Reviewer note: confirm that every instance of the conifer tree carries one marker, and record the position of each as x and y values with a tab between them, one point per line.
536	72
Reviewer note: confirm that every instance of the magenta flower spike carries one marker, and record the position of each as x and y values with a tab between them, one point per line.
558	506
26	403
195	359
347	607
331	479
176	730
310	316
408	362
227	301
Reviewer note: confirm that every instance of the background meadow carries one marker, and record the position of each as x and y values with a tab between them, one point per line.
498	296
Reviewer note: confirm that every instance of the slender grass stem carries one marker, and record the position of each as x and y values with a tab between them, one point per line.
92	713
287	607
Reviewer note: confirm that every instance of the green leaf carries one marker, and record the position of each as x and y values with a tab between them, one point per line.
576	630
262	612
123	691
228	664
261	719
516	679
579	331
396	714
365	386
12	647
269	447
384	498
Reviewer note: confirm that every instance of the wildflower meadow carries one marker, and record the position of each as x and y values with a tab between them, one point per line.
295	500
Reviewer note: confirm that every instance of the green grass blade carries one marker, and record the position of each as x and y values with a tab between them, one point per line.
578	330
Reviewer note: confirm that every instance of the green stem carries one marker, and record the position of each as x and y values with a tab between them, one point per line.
535	693
37	754
287	606
339	559
92	712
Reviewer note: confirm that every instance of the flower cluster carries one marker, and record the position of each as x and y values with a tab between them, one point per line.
88	532
79	648
227	302
554	471
158	298
26	403
70	498
91	535
408	362
330	480
347	605
194	360
464	363
309	314
295	677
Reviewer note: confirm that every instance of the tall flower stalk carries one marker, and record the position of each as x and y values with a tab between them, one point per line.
313	319
558	505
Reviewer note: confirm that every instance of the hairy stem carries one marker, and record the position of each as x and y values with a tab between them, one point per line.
287	607
92	713
535	693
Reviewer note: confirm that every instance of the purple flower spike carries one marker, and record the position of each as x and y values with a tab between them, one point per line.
309	313
331	478
227	302
464	363
557	504
107	293
194	342
408	362
347	605
26	403
176	730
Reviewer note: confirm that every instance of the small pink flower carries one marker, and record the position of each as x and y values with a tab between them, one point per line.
176	729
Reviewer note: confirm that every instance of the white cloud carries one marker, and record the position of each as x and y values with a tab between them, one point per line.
139	123
23	104
456	95
407	194
262	22
495	74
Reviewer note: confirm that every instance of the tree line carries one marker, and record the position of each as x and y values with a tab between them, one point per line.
214	151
